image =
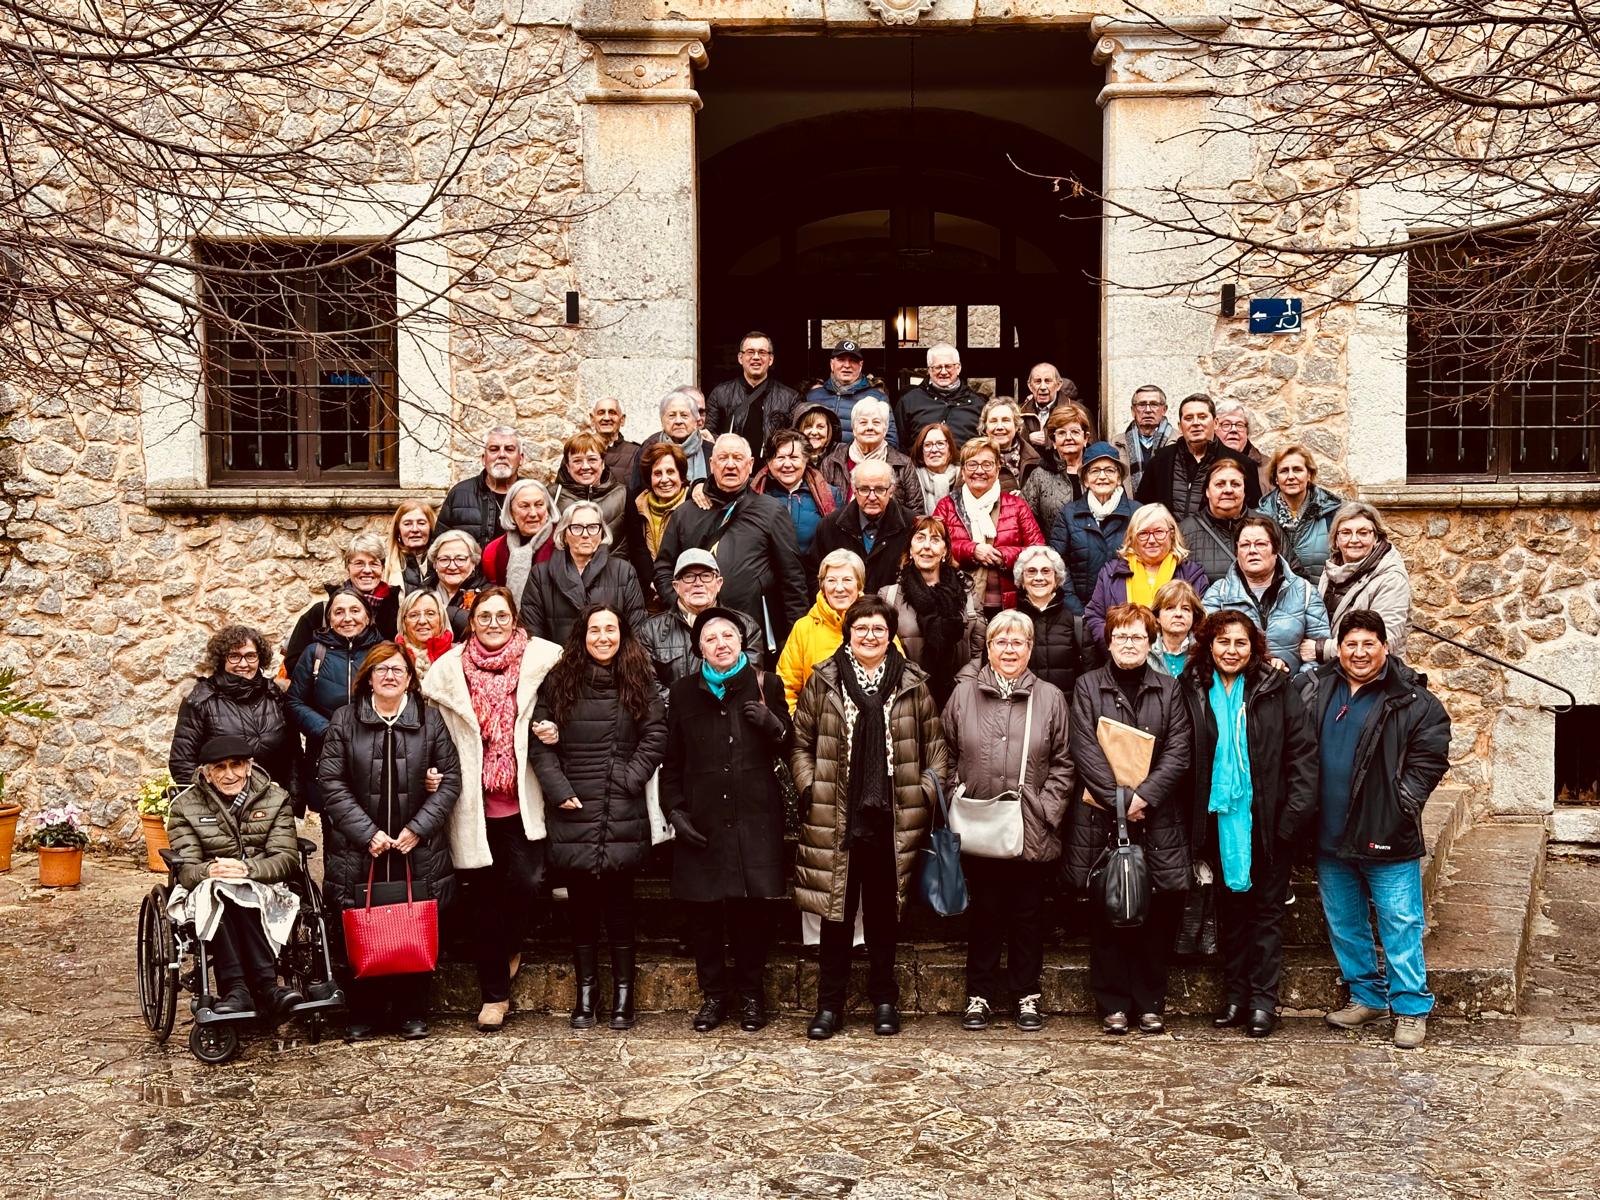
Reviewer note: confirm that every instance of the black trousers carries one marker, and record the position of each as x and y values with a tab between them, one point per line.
1005	913
743	924
500	899
1128	967
594	900
873	888
240	954
1250	934
394	997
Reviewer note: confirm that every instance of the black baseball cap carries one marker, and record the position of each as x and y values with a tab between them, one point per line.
846	349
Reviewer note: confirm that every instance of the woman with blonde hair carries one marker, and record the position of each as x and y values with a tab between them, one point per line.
841	578
410	532
1153	555
424	632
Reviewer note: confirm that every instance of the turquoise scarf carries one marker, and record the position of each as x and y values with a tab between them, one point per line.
717	680
1230	783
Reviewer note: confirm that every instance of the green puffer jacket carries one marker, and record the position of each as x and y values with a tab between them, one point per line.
202	826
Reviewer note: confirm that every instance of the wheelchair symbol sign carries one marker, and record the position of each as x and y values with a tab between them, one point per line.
1274	316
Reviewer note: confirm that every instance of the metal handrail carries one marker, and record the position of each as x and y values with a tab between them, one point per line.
1572	699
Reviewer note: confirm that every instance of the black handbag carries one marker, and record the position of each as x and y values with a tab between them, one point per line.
1120	880
940	879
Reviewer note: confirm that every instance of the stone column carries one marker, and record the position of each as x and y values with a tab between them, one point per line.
1155	328
637	253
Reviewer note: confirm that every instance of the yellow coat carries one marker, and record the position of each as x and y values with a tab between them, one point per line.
814	637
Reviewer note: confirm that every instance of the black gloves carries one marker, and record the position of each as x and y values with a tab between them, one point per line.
679	820
763	719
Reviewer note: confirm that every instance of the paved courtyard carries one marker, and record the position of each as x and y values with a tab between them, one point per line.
90	1107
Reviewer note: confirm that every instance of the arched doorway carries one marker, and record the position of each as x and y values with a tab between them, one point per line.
898	225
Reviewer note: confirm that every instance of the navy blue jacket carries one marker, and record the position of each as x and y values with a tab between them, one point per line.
1086	546
839	401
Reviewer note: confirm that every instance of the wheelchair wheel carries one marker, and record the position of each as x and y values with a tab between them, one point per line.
157	965
214	1044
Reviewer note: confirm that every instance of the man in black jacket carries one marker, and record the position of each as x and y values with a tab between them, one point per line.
755	405
875	525
752	539
473	505
1176	475
1384	743
668	637
944	397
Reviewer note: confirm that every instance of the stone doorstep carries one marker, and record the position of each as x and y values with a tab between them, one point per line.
1575	824
1482	917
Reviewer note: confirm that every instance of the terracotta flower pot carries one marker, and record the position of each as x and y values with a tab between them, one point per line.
155	841
60	866
8	832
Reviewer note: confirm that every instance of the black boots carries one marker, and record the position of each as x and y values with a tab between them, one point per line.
586	972
622	987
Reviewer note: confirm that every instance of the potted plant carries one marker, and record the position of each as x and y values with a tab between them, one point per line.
153	804
13	705
59	838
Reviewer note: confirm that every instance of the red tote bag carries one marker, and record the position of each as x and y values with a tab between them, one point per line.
392	939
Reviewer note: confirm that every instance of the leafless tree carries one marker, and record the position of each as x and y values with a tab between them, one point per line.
1457	135
128	127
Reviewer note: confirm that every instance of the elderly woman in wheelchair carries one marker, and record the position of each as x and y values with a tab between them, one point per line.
234	852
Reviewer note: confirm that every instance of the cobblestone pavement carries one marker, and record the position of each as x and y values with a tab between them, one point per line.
90	1107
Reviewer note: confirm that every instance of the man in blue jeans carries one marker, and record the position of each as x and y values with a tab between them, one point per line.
1384	742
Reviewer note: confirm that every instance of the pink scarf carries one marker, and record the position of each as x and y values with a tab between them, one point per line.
492	678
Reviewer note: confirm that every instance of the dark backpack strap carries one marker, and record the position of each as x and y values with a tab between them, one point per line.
319	651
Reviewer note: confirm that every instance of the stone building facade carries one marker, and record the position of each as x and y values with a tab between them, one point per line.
118	555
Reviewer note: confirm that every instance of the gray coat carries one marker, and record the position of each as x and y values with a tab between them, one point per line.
1385	589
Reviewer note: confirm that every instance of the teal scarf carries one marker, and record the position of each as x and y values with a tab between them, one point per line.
1230	783
717	680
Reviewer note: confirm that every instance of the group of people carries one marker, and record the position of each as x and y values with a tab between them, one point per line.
947	596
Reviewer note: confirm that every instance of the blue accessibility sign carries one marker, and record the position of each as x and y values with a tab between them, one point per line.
1274	316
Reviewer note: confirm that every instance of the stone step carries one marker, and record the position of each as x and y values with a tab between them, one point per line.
1482	917
1445	816
1575	824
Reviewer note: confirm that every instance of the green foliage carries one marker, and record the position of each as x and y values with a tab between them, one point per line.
13	705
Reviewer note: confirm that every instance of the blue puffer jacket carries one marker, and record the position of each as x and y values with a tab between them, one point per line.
1087	545
839	401
1309	535
1289	611
322	684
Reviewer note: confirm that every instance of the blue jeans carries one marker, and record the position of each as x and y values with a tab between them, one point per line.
1395	890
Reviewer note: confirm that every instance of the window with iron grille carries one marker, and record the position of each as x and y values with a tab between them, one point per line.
1495	393
300	364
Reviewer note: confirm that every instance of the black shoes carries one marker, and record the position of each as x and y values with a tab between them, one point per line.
622	966
1262	1023
236	1000
824	1025
752	1015
885	1020
1151	1023
414	1029
358	1031
1230	1016
1114	1023
284	998
711	1015
586	971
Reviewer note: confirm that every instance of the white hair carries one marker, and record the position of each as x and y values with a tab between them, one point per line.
1231	405
735	441
1029	553
502	431
370	544
683	393
571	512
869	404
843	558
942	350
455	535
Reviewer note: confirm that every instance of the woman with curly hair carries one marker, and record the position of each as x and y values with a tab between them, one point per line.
601	731
236	695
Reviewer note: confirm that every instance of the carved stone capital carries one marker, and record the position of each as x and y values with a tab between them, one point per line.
643	62
899	12
1150	58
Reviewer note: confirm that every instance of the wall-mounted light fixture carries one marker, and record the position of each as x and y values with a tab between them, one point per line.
572	308
905	323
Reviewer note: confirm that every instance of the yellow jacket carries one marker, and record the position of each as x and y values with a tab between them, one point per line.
814	637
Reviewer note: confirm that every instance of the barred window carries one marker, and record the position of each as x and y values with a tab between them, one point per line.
300	363
1503	368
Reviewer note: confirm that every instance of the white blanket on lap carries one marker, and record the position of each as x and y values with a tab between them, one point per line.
203	907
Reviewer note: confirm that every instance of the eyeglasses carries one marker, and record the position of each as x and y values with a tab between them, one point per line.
239	660
1010	644
873	490
494	618
390	669
978	467
755	354
871	631
1153	535
1233	426
589	529
1149	404
453	560
1137	635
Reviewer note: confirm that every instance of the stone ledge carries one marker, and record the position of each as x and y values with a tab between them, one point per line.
270	499
1581	825
1481	495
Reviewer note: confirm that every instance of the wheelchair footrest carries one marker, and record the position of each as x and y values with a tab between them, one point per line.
305	1006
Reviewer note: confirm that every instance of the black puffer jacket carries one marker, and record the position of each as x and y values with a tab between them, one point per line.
1164	830
669	641
383	606
604	757
1283	763
1403	753
1058	655
350	776
718	770
250	707
555	593
472	507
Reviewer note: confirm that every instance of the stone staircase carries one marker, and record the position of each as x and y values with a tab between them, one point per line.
1480	886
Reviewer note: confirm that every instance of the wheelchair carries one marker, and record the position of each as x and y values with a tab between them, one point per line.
173	959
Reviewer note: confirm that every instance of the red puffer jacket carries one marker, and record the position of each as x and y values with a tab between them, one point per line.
1014	530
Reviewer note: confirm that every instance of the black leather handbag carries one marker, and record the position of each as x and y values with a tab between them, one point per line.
1120	880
